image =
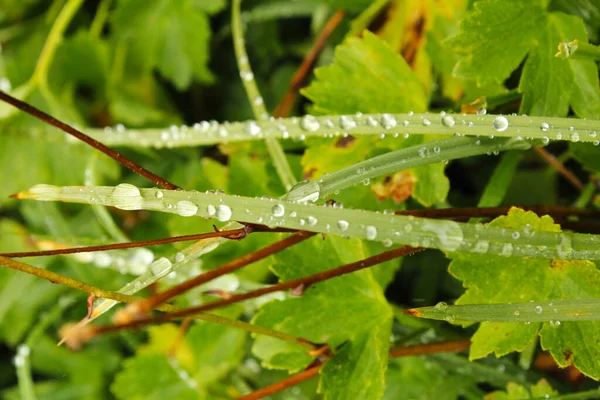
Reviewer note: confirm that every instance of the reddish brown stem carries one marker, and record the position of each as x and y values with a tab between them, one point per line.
151	302
86	139
128	245
430	348
420	349
306	281
285	105
284	384
493	211
567	174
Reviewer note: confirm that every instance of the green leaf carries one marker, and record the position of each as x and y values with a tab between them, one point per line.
366	76
350	308
151	376
549	84
356	370
171	36
514	391
422	378
383	84
588	154
496	279
495	37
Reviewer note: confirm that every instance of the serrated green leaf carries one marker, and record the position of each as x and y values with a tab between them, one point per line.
550	84
383	84
151	376
495	279
495	37
421	378
357	369
347	308
172	37
514	391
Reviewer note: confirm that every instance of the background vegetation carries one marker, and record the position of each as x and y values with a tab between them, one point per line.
162	65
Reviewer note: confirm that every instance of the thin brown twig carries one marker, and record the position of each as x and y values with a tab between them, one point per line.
430	348
234	234
235	298
127	245
284	384
494	211
566	173
285	105
404	351
148	304
29	109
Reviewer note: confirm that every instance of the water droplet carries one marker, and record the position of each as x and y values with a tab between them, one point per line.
179	257
309	123
211	210
448	121
517	313
426	122
186	208
408	228
371	232
516	235
507	250
500	123
160	267
423	152
565	247
544	127
538	309
481	111
342	225
545	140
126	197
252	128
278	210
347	122
159	194
441	306
366	182
387	121
482	246
387	243
574	137
312	221
247	75
437	149
304	191
258	101
223	213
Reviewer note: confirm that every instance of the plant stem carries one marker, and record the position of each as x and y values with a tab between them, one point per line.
330	126
127	245
421	349
256	101
100	18
287	102
293	284
86	139
98	292
567	174
40	75
53	277
150	303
